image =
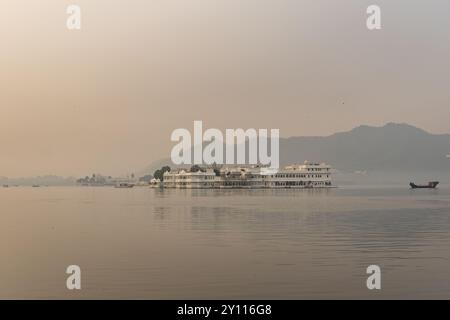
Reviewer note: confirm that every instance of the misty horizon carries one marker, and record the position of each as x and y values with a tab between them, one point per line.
141	171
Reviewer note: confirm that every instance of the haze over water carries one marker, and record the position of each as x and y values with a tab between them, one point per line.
186	244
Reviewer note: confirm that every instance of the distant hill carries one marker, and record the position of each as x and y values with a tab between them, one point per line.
152	167
393	147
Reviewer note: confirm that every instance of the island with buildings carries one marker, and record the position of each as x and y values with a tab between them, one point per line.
300	176
306	175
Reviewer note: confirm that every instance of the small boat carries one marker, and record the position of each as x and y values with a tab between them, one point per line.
36	186
124	185
430	185
5	186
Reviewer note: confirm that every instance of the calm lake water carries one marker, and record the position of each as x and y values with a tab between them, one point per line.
260	244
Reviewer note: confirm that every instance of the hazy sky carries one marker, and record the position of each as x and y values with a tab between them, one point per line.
106	98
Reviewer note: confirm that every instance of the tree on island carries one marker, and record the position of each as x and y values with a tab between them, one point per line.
159	174
196	168
216	169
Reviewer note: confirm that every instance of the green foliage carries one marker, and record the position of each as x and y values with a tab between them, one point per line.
159	174
195	168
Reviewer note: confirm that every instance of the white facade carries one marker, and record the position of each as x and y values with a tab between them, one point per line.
307	175
184	179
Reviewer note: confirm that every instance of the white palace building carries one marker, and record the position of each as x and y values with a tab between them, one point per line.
307	175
